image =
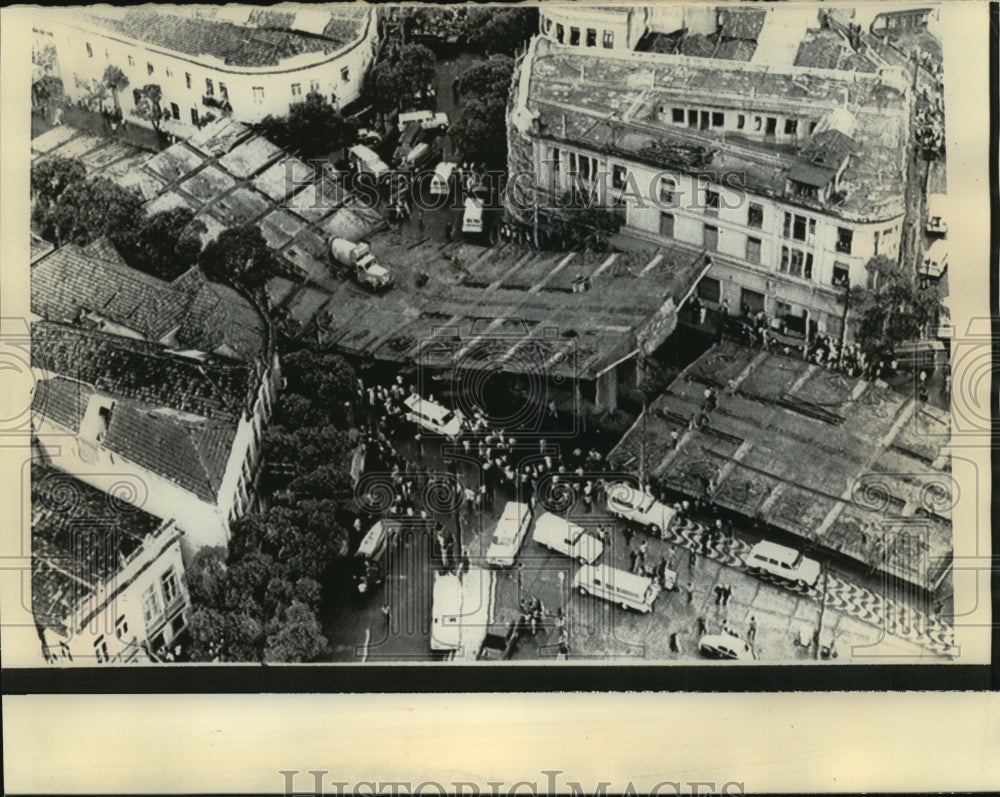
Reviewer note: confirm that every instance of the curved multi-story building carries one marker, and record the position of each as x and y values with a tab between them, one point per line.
248	60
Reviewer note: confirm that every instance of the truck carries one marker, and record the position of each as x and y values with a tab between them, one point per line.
357	261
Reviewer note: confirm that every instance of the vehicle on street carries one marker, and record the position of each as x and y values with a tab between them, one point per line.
365	160
356	260
433	417
567	538
725	646
935	261
420	156
637	506
441	182
472	219
618	586
785	563
369	137
461	608
428	120
936	223
410	137
371	553
509	534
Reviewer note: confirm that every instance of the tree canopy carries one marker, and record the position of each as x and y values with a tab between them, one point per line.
500	30
72	209
480	131
312	127
148	107
166	244
240	257
403	72
115	80
895	308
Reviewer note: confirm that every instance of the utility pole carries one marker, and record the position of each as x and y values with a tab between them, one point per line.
822	609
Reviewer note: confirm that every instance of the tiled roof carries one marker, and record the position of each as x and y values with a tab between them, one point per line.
736	50
698	46
79	537
247	45
743	24
142	371
821	52
207	316
62	401
828	149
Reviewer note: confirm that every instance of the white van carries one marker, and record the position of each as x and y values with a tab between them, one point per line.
472	220
433	417
786	563
509	534
567	538
461	611
441	181
364	159
428	120
626	589
935	261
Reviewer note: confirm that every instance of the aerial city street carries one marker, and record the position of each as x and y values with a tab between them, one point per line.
565	334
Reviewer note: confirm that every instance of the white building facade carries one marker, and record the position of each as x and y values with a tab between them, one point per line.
196	85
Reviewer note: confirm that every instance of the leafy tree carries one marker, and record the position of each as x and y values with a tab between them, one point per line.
206	576
94	93
585	225
148	107
407	70
295	636
481	130
166	244
501	30
85	211
239	256
48	89
895	309
116	81
52	176
328	377
312	127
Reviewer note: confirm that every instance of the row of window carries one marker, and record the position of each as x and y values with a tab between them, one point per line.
151	610
608	39
707	119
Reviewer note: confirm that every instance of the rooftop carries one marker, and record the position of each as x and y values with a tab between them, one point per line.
191	312
257	37
836	461
607	101
80	537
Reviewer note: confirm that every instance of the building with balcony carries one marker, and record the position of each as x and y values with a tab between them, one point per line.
791	178
605	27
107	582
250	61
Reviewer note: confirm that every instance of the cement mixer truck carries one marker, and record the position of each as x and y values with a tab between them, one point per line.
355	260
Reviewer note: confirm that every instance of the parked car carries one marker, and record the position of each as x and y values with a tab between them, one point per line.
936	222
785	563
369	137
433	417
639	507
567	538
935	261
628	590
725	646
509	534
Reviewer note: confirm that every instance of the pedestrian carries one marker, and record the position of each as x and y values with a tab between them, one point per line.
727	593
689	589
719	591
692	559
448	231
702	627
633	559
675	645
628	533
643	547
752	630
386	611
420	445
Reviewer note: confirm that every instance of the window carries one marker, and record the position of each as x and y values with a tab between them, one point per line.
149	68
668	185
876	242
560	32
101	649
844	240
209	87
841	275
812	127
677	115
131	61
753	250
150	605
609	39
791	127
169	72
667	225
741	122
796	263
258	94
710	290
798	227
314	86
618	176
574	37
711	202
782	309
296	89
718	119
223	91
692	118
591	37
121	627
345	74
90	50
755	215
194	116
757	123
187	79
175	112
107	55
710	237
170	587
555	160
